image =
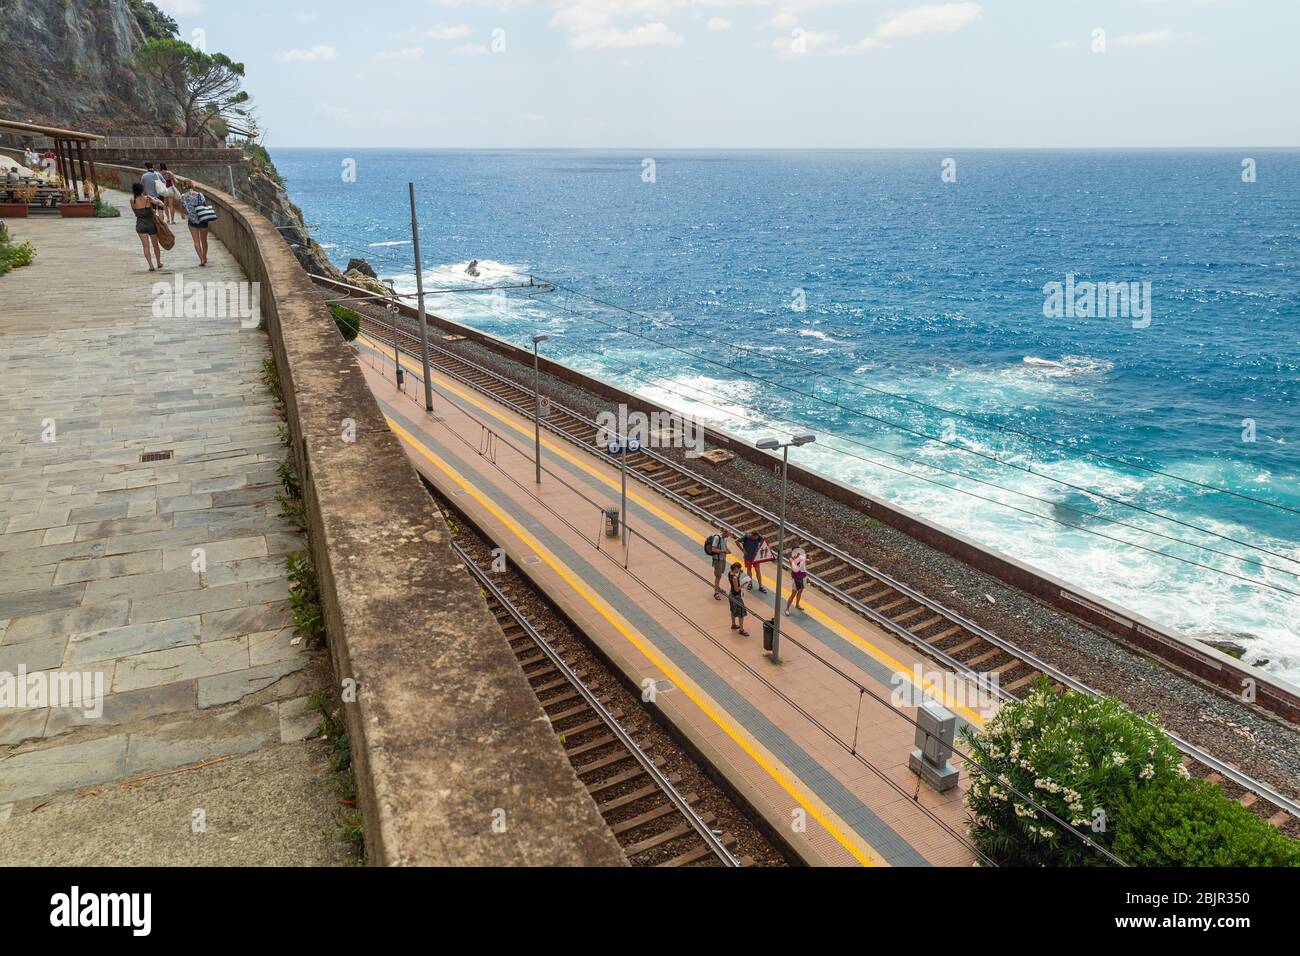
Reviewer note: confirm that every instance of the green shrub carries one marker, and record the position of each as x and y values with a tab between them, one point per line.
304	596
1192	823
271	378
1079	756
13	255
105	210
349	322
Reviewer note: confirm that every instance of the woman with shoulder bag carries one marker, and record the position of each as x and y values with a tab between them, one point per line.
146	223
198	215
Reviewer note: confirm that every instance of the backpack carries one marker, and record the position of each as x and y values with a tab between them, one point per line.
708	544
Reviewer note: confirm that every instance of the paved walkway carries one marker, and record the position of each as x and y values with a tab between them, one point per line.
656	619
204	702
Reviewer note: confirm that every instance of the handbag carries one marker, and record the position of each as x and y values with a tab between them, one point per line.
166	238
204	213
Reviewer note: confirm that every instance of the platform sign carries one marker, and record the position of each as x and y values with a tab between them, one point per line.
544	406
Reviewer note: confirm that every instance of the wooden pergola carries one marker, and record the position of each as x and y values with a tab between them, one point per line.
72	152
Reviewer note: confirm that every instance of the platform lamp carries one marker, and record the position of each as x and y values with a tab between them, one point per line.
538	339
772	444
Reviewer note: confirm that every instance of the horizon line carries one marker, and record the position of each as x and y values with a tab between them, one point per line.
807	149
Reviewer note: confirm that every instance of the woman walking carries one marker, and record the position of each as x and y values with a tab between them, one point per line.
798	571
192	199
736	599
146	223
170	195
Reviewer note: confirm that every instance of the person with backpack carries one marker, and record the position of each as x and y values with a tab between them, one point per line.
717	546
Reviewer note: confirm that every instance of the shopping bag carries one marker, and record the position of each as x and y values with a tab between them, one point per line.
166	238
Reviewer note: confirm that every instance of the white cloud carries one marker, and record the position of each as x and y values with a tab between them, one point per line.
586	16
469	49
933	18
615	38
1066	44
407	54
1153	38
802	42
314	55
936	18
717	23
444	31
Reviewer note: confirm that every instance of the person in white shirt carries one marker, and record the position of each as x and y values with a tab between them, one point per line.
151	180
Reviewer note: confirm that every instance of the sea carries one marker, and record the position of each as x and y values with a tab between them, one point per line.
1086	360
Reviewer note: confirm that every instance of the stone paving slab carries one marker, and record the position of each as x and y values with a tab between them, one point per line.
97	551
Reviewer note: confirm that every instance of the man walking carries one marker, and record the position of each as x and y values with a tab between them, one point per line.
753	545
718	548
151	180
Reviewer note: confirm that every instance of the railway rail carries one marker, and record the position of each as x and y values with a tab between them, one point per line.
654	823
936	631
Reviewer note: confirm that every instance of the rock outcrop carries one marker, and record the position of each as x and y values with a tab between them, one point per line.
362	266
68	63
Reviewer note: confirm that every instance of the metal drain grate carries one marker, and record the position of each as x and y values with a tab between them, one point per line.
156	456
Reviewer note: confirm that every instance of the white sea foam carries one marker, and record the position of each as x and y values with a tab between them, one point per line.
1067	366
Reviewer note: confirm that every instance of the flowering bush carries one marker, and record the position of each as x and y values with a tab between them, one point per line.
1079	756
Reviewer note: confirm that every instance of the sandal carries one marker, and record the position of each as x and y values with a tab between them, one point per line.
744	633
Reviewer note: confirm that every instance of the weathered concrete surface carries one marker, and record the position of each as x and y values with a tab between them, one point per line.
446	735
265	808
98	552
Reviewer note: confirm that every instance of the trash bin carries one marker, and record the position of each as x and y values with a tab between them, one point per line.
611	522
769	634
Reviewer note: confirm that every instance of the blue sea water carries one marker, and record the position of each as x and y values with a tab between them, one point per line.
860	296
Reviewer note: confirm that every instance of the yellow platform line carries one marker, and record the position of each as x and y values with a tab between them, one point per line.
880	654
813	806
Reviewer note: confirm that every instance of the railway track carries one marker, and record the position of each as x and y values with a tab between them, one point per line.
654	823
939	633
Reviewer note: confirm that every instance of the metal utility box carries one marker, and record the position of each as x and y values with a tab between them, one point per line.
936	729
611	522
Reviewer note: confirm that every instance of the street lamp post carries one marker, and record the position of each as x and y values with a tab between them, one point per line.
419	292
772	444
537	405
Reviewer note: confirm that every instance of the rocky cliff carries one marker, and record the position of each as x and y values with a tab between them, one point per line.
68	63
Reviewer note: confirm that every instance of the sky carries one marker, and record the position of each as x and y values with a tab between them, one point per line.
722	74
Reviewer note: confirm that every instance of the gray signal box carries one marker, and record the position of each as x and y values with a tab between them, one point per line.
934	736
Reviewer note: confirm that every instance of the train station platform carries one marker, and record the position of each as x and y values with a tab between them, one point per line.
818	745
